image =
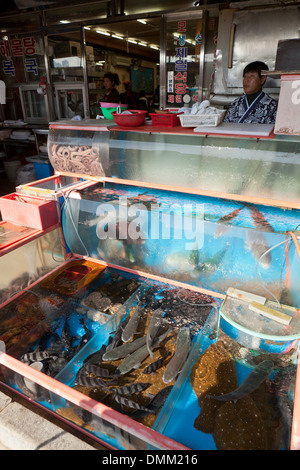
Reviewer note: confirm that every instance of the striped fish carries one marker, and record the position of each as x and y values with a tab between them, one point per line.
87	381
156	364
98	371
35	356
130	403
130	389
251	383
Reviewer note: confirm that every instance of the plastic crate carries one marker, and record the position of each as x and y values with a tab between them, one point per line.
165	119
28	211
195	120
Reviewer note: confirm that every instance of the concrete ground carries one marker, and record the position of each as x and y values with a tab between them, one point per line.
24	429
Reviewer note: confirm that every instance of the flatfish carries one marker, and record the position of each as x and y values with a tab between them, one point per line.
251	383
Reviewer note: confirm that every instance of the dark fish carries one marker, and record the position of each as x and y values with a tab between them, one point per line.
131	388
130	403
97	370
156	364
95	357
90	381
251	383
155	404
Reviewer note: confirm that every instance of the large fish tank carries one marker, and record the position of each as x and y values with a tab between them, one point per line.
163	316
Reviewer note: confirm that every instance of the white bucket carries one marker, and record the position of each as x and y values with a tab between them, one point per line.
11	167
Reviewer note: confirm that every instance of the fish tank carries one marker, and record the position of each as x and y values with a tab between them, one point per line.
208	243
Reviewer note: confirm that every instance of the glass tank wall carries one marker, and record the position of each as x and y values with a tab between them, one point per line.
265	168
210	243
261	168
29	262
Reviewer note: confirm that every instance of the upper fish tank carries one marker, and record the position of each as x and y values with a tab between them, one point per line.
211	244
247	167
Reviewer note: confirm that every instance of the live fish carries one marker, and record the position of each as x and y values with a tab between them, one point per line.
134	360
98	371
87	381
130	403
155	404
96	357
132	324
156	364
259	221
181	352
224	222
114	341
258	245
35	356
130	389
251	383
124	349
153	329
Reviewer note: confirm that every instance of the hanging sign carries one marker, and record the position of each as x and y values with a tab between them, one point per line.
177	87
288	112
10	49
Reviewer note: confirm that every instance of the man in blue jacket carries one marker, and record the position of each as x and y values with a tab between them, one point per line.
255	106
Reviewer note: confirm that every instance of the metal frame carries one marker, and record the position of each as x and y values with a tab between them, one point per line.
33	87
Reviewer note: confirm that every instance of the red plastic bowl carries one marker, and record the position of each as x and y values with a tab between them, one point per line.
136	118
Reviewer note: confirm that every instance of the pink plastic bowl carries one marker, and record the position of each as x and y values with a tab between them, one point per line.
130	120
103	104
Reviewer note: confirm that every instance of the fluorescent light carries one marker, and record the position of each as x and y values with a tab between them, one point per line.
87	27
64	21
117	37
102	32
142	21
155	47
132	41
142	44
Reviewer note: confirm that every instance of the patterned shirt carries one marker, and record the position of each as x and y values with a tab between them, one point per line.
261	111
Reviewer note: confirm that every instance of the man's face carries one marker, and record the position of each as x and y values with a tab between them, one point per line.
252	82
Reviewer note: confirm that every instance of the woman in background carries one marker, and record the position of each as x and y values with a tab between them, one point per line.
111	95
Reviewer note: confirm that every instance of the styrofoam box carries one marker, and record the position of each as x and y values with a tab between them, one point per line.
195	120
28	211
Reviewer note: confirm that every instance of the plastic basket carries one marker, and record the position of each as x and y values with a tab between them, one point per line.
165	119
195	120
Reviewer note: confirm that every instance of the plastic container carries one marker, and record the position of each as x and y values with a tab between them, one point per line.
11	168
195	120
28	211
136	118
256	331
165	119
42	166
109	108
